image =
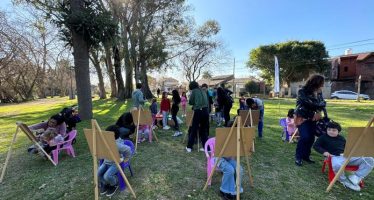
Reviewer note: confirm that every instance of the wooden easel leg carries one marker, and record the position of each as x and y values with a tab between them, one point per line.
293	135
155	135
342	168
137	131
94	158
126	180
238	160
246	152
220	154
8	155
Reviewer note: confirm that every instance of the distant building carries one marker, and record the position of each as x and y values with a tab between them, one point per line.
346	69
168	84
216	81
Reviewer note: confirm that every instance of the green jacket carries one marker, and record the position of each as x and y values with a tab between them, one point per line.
198	99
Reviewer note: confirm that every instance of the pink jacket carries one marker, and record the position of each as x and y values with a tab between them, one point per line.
183	100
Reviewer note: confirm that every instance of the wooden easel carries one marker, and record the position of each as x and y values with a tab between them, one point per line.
359	143
145	119
251	117
103	146
24	128
242	142
293	135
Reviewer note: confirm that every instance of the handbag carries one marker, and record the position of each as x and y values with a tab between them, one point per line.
321	125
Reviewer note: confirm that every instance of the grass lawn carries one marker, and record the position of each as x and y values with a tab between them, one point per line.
164	170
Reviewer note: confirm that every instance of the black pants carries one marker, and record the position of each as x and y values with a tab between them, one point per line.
226	113
174	112
307	132
200	122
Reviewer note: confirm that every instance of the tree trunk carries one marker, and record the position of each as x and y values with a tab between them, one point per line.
112	78
128	67
95	61
81	62
117	69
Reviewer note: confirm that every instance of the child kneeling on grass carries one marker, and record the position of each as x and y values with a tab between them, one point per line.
143	133
228	185
333	144
107	172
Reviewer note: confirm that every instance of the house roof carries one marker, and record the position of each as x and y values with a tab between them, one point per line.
169	79
358	56
223	77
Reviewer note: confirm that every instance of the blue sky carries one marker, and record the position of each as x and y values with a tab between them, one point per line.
246	24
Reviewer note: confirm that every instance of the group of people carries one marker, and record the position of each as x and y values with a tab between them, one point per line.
305	116
309	108
54	131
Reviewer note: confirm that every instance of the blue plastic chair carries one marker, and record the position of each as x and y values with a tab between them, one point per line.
283	123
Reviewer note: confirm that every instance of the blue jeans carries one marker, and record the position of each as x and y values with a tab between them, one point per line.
107	174
261	123
307	132
228	184
365	164
164	118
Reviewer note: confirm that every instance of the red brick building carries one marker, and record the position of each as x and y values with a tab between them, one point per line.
346	69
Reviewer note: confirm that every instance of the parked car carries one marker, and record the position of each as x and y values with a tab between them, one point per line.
346	94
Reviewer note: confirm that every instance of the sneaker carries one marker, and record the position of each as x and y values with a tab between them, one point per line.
154	127
354	179
202	149
188	150
166	127
103	190
111	190
226	196
179	133
350	185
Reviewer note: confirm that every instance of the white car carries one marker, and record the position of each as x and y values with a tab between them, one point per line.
346	94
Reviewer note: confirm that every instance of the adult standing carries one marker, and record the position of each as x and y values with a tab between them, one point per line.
257	104
224	103
200	121
309	105
158	92
137	97
174	111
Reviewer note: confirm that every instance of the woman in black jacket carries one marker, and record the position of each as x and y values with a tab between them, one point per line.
309	105
126	125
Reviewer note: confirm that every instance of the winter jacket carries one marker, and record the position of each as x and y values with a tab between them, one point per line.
307	104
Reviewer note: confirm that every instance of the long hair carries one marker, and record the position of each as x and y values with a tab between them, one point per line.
314	82
176	97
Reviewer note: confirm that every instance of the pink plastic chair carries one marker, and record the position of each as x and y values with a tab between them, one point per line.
66	145
209	156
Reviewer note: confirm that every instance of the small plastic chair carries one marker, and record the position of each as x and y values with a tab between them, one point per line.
331	173
210	156
283	124
66	145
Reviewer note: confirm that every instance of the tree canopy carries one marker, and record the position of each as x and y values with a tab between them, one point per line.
296	60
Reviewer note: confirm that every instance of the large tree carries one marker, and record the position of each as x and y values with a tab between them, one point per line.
296	60
82	23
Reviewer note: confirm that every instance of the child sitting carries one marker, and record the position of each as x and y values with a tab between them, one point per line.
153	108
291	127
107	171
164	109
228	185
143	133
333	144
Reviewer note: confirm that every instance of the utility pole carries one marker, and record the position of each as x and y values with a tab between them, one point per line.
233	80
358	88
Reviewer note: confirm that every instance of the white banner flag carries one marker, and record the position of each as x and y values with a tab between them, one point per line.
276	79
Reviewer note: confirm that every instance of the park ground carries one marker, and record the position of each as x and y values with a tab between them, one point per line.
163	170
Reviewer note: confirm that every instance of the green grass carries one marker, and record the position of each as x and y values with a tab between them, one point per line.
164	170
